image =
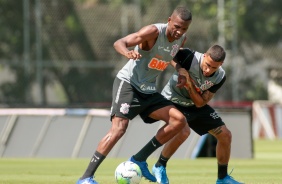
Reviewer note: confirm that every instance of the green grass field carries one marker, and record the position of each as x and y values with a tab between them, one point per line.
265	168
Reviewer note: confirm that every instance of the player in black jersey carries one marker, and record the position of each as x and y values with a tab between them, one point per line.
201	75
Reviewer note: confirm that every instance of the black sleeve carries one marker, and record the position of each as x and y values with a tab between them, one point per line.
184	57
214	88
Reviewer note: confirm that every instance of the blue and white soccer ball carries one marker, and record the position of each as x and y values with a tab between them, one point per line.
128	173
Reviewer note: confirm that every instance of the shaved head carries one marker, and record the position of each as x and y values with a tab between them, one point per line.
217	53
183	13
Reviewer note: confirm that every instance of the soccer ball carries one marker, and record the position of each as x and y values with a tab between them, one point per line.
128	173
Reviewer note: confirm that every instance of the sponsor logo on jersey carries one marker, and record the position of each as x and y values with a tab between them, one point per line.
164	49
158	56
143	87
158	64
167	49
180	102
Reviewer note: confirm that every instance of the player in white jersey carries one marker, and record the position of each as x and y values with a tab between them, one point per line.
135	93
203	76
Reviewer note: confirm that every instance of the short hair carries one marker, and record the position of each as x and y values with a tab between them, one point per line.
183	13
217	53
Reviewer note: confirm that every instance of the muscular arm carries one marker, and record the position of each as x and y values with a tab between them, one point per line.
198	99
181	79
145	38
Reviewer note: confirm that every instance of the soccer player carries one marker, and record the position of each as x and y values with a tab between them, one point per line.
203	76
135	93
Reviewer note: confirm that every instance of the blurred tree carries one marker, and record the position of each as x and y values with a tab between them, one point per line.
11	45
259	24
67	43
64	41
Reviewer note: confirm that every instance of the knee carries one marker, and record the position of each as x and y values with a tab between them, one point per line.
119	128
181	121
185	132
229	135
226	136
119	131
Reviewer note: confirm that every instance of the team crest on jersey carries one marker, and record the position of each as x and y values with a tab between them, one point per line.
207	84
174	50
203	86
124	109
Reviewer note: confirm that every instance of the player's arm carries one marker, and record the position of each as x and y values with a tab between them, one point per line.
181	79
198	99
144	36
182	59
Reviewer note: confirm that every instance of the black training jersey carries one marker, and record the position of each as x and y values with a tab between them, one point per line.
191	61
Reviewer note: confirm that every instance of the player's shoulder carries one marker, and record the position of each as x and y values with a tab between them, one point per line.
156	29
160	25
186	50
149	30
221	75
221	71
185	53
152	27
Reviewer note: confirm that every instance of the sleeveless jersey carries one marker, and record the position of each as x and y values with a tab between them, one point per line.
142	73
191	60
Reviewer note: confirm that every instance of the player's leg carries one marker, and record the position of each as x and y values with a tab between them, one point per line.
159	169
174	123
173	144
174	120
158	108
120	115
205	120
223	147
223	150
119	126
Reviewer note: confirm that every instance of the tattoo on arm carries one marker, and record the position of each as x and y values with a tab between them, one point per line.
191	89
207	96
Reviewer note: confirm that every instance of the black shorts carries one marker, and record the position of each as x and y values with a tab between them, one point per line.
128	102
202	119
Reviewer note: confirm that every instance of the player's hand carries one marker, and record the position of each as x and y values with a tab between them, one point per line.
132	54
181	81
182	77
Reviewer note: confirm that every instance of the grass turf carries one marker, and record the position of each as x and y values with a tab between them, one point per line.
265	168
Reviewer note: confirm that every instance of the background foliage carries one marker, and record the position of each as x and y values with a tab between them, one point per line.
59	52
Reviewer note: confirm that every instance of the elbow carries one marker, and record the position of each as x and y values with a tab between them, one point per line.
199	105
118	45
115	44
